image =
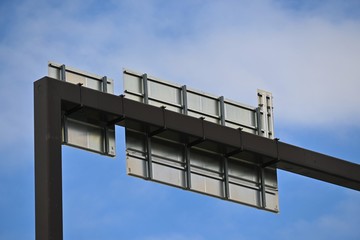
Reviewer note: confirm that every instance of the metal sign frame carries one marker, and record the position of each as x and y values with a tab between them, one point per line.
189	164
182	99
196	167
52	97
76	132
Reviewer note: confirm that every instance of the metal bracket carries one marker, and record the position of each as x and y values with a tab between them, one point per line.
240	149
199	140
184	99
226	178
275	161
222	110
145	88
62	73
104	84
163	128
262	187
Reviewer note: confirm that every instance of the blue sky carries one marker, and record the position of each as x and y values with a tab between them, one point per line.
306	53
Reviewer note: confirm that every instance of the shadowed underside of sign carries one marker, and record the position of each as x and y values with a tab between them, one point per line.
80	134
199	170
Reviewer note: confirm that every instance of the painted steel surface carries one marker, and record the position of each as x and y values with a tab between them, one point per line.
53	97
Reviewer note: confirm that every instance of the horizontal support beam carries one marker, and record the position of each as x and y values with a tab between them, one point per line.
104	108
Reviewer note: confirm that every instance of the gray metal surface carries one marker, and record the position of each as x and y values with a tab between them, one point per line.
80	134
265	114
76	76
48	164
181	99
199	170
189	166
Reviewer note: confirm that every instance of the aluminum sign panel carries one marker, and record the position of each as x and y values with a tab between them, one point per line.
204	171
265	114
150	90
73	75
201	166
88	136
96	138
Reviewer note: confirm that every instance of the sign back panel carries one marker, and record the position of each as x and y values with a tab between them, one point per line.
198	169
98	138
181	99
203	171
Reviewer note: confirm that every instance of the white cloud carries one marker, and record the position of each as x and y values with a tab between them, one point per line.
309	64
308	61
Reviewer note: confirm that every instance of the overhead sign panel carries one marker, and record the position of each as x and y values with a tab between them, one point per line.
191	164
76	76
195	169
181	99
96	137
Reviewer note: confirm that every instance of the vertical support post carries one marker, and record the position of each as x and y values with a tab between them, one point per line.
222	110
258	120
106	140
145	88
62	73
270	115
262	187
188	166
104	84
260	116
226	178
64	128
184	99
48	166
265	114
149	157
106	128
263	130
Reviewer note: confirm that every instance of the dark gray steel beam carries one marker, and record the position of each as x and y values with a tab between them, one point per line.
107	107
48	164
48	178
316	165
53	96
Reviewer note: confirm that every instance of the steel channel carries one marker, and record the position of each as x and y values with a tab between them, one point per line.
104	84
145	88
188	166
149	156
222	110
262	187
48	163
63	73
184	99
226	178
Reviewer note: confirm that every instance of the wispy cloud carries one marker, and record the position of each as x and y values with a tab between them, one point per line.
341	222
